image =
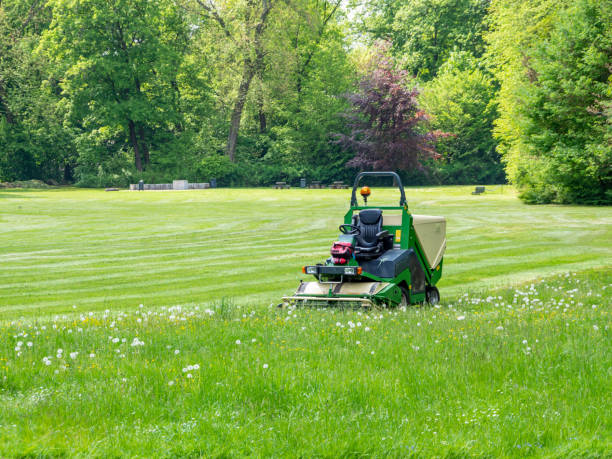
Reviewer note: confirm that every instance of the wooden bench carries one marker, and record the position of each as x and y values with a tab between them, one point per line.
281	186
479	190
315	184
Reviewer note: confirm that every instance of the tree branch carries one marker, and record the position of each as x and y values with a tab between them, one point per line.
217	17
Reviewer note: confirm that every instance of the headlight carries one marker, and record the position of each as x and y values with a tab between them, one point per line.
311	269
350	271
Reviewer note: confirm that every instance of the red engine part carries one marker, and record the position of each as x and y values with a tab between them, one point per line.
341	252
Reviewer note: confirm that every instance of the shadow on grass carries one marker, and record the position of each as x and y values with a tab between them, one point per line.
14	193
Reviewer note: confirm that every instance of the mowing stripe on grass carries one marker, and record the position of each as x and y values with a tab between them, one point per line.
68	246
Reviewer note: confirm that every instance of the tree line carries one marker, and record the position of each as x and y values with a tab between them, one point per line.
107	92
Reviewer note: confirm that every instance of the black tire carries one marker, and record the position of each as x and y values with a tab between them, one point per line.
432	295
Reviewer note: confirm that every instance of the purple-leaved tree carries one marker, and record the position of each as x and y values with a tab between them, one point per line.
387	129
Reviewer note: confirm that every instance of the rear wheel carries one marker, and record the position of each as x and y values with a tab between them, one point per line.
432	295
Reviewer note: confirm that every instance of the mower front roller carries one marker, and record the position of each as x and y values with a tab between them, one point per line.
303	300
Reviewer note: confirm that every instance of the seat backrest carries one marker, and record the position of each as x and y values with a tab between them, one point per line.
370	224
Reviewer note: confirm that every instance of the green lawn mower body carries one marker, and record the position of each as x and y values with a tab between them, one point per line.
385	256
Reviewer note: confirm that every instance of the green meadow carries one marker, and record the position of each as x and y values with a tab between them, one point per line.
145	325
108	250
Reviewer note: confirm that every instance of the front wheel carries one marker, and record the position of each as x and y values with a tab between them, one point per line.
432	295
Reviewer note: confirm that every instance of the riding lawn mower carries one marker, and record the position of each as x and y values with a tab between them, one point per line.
384	256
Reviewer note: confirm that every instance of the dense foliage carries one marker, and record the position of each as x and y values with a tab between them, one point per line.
387	129
253	91
553	60
461	101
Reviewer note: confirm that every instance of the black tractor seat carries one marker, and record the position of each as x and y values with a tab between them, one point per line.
372	240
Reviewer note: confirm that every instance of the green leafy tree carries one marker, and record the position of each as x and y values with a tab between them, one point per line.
461	101
290	103
118	62
33	141
302	90
242	26
425	32
555	80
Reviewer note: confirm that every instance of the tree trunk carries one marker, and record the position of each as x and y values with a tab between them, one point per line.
263	125
145	149
134	142
243	91
251	67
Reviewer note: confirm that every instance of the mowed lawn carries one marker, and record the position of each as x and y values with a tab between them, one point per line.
109	250
144	325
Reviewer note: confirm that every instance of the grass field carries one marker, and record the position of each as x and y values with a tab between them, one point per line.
100	250
140	324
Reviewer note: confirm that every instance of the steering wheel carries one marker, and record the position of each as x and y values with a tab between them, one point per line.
350	229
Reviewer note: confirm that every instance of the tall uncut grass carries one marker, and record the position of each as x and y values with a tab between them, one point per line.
525	371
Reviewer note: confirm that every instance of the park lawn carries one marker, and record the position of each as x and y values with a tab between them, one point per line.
163	306
112	250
